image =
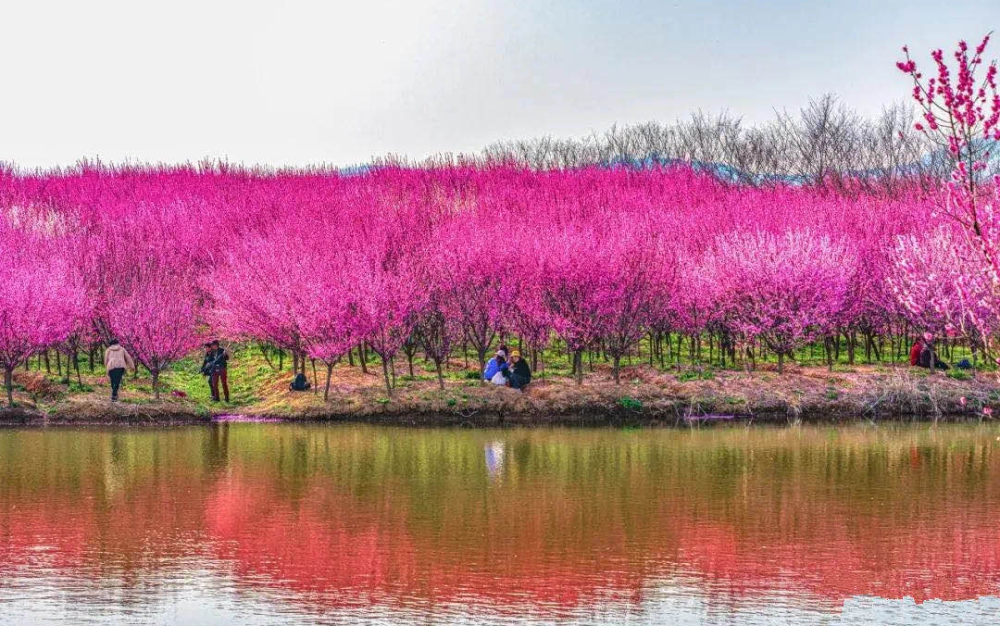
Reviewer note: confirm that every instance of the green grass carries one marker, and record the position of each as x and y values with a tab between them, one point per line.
696	374
629	403
958	374
250	376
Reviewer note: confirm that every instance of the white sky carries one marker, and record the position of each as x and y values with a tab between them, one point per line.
297	82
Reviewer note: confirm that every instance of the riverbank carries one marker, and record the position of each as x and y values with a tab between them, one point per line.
685	395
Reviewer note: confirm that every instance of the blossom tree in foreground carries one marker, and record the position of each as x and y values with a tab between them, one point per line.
961	113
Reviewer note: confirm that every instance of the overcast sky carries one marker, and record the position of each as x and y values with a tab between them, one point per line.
301	82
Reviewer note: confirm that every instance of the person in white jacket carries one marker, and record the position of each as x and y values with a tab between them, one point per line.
116	359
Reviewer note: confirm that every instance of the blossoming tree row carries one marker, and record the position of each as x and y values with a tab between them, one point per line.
399	258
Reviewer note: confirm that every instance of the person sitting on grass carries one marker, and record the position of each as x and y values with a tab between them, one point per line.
300	383
915	350
495	366
927	354
518	374
499	377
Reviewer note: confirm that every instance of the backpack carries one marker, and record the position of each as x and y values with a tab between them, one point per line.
300	383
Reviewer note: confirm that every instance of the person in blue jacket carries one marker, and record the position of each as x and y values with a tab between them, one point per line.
495	366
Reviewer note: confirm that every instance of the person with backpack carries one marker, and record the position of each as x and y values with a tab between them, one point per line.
116	360
215	366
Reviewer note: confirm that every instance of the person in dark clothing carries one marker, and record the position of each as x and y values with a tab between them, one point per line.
925	357
926	352
215	366
518	374
300	383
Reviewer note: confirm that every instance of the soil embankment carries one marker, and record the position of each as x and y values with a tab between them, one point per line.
647	396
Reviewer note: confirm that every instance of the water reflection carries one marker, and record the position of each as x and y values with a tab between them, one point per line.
277	523
494	458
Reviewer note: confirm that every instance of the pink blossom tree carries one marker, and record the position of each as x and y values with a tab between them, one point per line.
156	320
572	292
472	270
782	289
961	113
437	332
41	297
388	305
937	292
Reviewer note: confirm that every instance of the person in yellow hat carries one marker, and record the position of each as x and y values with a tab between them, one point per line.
518	374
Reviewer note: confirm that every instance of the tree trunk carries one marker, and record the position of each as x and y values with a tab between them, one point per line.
8	383
363	357
409	362
481	354
315	380
437	366
329	374
578	365
616	368
385	374
48	365
156	384
781	361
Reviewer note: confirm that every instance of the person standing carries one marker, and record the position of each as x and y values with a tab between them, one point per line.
215	366
116	359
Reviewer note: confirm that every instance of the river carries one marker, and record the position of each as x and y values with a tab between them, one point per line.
314	524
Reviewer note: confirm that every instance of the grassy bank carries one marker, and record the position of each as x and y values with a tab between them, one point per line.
676	393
